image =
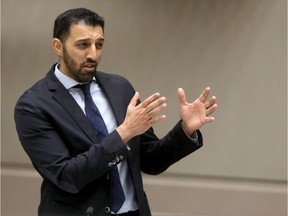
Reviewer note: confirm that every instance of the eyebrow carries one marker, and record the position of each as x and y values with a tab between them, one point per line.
88	39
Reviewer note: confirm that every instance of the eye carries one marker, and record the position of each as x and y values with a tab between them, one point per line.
99	45
82	45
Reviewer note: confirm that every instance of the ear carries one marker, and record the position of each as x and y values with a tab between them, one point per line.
57	46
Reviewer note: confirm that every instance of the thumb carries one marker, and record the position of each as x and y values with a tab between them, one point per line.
182	96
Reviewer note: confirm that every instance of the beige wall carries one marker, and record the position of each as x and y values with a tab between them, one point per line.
237	47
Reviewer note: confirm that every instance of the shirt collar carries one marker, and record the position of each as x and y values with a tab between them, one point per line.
67	81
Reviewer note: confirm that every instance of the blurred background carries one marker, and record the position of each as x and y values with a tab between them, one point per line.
237	47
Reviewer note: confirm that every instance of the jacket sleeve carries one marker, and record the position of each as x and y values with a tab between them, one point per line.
158	154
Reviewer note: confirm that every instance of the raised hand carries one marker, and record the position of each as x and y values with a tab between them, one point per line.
139	118
196	114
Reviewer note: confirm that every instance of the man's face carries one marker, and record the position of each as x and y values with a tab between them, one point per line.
82	51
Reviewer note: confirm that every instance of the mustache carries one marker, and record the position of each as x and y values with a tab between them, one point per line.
89	63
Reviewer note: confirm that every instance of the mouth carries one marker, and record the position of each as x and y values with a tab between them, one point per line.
90	66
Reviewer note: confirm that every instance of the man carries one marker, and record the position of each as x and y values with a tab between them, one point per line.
80	159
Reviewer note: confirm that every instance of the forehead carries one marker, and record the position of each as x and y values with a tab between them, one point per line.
83	31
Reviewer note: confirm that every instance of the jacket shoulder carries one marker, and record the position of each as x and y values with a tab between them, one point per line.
111	76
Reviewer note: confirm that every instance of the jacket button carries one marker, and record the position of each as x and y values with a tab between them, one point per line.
117	159
107	210
112	163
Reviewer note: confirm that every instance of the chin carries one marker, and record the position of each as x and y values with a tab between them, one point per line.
85	78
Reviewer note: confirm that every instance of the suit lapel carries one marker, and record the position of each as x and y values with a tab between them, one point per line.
113	95
110	89
63	97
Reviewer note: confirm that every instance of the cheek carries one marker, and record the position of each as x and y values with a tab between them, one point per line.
99	56
79	57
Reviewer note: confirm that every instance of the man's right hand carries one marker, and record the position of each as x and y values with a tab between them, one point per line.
139	118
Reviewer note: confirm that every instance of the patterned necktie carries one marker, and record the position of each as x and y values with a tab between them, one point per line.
94	116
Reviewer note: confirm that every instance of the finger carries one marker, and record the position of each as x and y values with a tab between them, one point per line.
134	99
155	105
160	107
182	96
209	119
149	100
204	95
211	110
157	119
211	101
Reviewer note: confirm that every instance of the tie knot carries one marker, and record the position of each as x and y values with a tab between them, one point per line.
85	88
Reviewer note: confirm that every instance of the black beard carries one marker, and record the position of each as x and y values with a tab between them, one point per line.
84	78
74	71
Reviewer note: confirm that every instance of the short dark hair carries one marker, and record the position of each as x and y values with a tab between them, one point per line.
64	21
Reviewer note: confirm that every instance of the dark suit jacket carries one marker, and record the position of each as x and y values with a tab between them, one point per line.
60	142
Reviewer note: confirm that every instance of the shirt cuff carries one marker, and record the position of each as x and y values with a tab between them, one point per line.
194	135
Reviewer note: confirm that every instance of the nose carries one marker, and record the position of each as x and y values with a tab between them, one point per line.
93	53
